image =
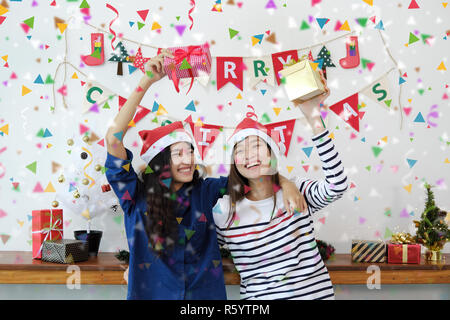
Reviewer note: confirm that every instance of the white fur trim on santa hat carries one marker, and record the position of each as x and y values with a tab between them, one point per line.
157	147
244	133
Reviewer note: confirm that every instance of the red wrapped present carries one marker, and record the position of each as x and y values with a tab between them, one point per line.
403	253
188	62
47	224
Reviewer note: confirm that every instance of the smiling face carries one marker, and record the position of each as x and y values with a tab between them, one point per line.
252	158
182	162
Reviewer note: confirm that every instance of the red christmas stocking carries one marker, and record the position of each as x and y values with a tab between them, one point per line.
352	58
97	57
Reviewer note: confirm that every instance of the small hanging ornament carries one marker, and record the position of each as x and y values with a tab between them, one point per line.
70	142
98	167
86	139
85	181
55	204
61	179
76	194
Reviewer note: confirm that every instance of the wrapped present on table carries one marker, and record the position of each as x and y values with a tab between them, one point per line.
47	224
402	248
65	251
188	62
301	81
368	251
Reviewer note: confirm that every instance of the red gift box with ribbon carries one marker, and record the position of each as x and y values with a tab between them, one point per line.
47	224
403	253
188	62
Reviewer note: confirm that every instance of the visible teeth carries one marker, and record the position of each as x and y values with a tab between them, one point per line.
253	164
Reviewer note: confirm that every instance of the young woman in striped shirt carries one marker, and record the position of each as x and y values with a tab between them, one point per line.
275	252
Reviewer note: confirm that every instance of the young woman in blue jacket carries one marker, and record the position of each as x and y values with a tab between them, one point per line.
174	254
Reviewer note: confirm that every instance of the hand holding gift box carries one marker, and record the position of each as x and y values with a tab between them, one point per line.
47	224
302	82
188	62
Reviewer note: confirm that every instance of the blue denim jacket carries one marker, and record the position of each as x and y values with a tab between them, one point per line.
193	270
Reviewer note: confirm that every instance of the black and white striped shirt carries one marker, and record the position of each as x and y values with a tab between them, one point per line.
278	258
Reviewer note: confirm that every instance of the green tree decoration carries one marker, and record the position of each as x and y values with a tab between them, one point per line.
432	229
120	55
326	56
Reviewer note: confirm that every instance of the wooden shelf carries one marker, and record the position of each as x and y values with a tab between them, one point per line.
18	267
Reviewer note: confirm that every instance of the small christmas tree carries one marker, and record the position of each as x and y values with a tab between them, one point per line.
326	56
432	230
120	55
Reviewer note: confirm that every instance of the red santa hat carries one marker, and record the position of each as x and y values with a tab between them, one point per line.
157	139
250	127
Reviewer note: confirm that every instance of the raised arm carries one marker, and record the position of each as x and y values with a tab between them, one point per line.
120	124
320	193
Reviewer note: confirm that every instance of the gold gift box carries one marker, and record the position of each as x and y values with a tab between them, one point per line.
302	82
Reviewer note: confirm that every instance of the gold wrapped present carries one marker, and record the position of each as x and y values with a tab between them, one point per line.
301	81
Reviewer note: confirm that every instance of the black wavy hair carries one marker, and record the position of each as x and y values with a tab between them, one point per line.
160	225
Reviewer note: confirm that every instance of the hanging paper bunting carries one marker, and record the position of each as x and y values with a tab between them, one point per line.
230	69
94	95
378	91
280	59
282	133
347	109
141	111
204	135
260	69
140	61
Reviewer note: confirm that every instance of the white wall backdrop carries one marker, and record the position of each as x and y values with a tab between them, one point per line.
378	201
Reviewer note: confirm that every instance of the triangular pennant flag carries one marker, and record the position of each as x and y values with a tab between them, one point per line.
379	26
412	38
307	151
25	90
185	65
39	80
189	233
413	5
143	14
232	33
204	135
38	188
32	167
50	188
62	27
321	22
190	106
362	22
126	196
419	118
345	26
411	162
282	134
167	182
347	109
84	5
29	22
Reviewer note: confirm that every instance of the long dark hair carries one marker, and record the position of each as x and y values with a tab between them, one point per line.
236	189
161	225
